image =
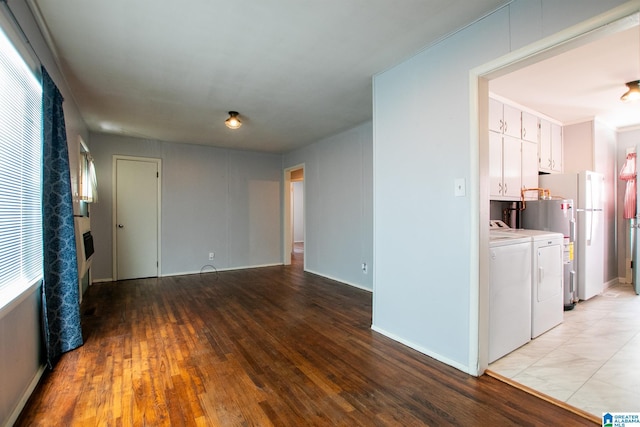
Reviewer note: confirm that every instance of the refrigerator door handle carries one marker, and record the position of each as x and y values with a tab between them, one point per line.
572	230
587	226
589	236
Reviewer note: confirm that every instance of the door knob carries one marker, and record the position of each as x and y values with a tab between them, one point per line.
120	226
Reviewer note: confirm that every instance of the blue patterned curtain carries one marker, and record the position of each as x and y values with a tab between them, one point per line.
60	299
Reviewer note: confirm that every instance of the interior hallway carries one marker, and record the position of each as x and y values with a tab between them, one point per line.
590	361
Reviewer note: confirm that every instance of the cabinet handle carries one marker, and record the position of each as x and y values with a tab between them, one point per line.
499	188
505	189
505	127
501	126
553	164
550	165
524	133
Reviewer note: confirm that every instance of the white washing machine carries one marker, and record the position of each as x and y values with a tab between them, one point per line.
509	293
547	299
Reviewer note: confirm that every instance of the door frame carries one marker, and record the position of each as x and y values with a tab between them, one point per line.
287	218
114	198
632	232
616	19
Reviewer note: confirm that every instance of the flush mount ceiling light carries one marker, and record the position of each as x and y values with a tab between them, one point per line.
233	122
633	94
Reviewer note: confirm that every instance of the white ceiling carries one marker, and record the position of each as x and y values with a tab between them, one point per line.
297	71
583	83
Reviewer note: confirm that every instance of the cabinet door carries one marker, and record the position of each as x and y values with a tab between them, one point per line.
495	164
495	115
549	277
556	148
511	167
530	168
529	127
512	121
544	148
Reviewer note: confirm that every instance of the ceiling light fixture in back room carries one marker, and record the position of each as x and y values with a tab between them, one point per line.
633	94
233	122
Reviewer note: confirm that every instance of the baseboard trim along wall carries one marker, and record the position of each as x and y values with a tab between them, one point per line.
210	268
612	282
355	285
27	394
424	351
207	268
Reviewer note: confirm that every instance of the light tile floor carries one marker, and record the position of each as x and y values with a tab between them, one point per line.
590	361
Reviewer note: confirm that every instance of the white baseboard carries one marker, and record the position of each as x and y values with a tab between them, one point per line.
27	394
187	273
464	368
622	281
355	285
210	270
611	283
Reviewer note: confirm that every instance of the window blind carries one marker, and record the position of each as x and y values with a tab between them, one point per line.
20	174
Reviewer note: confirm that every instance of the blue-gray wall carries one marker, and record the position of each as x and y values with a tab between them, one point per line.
338	189
428	254
229	202
213	200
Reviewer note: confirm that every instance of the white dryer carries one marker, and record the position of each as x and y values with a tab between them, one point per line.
547	299
509	293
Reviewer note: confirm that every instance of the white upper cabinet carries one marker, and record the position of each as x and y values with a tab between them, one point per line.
504	118
495	116
550	147
495	165
512	120
513	151
511	166
556	148
544	147
530	168
505	166
530	127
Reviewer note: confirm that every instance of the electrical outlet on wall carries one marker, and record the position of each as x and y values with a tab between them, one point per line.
364	267
211	256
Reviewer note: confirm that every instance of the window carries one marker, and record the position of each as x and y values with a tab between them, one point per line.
21	255
88	183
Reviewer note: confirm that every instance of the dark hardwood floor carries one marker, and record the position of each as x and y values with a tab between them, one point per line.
259	347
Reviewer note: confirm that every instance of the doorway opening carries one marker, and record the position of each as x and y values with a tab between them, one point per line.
580	35
294	216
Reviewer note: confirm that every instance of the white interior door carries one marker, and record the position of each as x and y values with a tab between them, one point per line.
136	213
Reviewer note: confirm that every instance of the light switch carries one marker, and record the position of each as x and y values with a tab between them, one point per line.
460	190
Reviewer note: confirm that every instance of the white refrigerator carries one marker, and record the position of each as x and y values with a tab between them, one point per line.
587	191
